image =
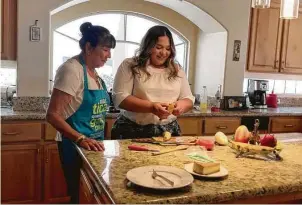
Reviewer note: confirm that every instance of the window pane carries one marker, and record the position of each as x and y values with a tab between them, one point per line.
176	38
245	82
180	54
137	27
290	87
8	76
271	85
279	86
113	22
299	87
121	51
63	49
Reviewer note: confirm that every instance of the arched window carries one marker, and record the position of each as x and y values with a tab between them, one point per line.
127	28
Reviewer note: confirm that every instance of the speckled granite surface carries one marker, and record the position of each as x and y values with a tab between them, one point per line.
247	177
9	114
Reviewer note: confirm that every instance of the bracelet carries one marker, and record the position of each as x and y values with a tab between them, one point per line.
80	139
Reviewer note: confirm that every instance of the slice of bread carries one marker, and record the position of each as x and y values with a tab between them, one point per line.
206	168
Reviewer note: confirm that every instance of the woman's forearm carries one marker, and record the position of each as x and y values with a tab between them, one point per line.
134	104
63	127
187	104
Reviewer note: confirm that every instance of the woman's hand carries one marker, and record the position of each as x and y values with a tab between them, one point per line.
182	106
160	110
91	144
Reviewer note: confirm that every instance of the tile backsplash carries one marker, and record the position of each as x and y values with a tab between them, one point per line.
30	103
41	103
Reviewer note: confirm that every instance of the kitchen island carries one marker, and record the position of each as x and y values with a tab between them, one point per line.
249	180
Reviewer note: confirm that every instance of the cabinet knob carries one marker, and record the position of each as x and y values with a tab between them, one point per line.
288	125
11	133
221	127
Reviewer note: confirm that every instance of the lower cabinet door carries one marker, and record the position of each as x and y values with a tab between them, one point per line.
55	188
21	173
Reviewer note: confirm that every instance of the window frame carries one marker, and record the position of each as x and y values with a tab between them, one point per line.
125	14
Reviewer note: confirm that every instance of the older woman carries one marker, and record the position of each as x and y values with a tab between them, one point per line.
146	84
79	102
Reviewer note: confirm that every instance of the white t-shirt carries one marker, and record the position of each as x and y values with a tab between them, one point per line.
70	79
158	88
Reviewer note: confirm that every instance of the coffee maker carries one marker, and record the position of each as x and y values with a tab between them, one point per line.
257	93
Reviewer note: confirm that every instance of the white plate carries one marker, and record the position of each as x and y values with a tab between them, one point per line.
142	176
222	173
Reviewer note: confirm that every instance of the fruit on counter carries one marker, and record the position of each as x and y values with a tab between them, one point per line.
171	107
279	146
167	136
268	140
221	138
242	134
206	168
208	144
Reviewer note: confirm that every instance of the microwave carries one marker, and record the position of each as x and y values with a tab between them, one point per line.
234	103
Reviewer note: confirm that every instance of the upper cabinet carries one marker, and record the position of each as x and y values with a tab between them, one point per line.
9	30
292	46
275	44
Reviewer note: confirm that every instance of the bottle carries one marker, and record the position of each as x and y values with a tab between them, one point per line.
218	97
204	100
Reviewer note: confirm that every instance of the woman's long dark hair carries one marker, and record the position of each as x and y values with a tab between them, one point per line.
143	53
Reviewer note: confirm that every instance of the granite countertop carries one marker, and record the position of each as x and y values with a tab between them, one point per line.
247	178
9	114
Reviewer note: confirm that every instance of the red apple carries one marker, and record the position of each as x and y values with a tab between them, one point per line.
268	140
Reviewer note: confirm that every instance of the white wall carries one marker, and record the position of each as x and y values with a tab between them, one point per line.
210	61
234	16
33	57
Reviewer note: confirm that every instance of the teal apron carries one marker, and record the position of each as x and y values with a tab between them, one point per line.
88	120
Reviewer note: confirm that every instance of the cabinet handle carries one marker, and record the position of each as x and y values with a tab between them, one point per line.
11	133
283	65
46	160
288	125
276	64
221	127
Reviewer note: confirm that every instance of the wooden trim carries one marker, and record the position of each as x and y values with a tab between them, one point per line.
283	68
9	30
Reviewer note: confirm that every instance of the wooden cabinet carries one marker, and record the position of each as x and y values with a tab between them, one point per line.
8	30
21	131
89	194
275	44
30	168
286	124
21	173
265	39
55	188
85	193
227	125
292	46
190	126
50	132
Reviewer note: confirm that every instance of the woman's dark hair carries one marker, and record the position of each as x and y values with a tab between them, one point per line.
143	53
96	35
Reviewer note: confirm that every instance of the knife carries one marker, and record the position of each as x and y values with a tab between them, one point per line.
141	148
